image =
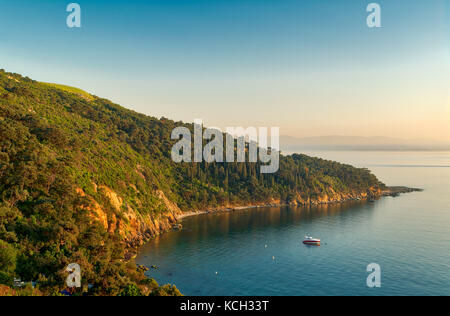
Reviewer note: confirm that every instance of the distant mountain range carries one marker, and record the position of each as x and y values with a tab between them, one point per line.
354	143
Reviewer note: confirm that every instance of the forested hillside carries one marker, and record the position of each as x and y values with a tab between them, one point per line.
82	178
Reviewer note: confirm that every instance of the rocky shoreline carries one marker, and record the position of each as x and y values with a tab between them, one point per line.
396	191
390	191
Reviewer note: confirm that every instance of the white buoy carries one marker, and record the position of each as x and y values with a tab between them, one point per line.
273	258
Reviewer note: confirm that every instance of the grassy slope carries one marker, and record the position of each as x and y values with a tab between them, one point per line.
69	89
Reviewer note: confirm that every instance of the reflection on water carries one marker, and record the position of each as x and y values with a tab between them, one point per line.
260	251
229	223
244	221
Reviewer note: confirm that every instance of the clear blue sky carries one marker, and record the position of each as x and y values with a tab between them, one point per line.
310	67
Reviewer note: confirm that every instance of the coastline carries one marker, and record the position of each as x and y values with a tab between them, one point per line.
228	209
393	191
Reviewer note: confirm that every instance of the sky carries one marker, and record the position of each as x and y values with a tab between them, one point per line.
311	68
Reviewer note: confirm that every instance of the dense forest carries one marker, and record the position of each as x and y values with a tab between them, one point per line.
81	177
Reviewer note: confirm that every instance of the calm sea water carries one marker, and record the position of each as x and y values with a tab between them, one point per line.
260	252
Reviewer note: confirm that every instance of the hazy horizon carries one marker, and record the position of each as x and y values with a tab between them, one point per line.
310	68
374	137
290	144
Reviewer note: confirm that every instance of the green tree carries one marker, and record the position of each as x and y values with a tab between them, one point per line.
131	290
7	257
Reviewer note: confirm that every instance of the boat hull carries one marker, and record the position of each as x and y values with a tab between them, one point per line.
310	242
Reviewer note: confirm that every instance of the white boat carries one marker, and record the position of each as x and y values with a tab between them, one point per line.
311	241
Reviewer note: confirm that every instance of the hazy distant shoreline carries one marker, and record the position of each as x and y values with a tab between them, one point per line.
364	144
289	150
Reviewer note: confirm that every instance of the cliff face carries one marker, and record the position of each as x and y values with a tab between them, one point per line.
132	227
